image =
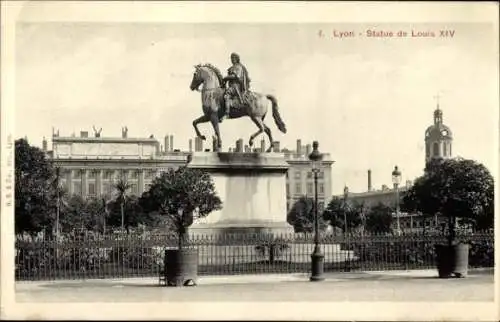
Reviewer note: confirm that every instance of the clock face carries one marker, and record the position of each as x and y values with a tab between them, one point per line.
444	132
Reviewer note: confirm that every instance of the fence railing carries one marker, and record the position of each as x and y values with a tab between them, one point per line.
135	256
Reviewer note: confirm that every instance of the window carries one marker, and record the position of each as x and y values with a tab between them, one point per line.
435	149
298	188
77	188
298	175
106	188
309	188
135	174
108	174
77	174
286	174
321	175
147	186
309	175
92	174
287	189
321	187
123	175
321	206
134	189
91	189
66	185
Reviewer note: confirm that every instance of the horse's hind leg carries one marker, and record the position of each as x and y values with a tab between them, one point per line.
260	125
201	119
269	135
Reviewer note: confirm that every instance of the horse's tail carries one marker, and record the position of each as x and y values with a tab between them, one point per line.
276	114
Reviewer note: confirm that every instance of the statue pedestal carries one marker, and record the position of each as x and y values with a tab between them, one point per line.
252	187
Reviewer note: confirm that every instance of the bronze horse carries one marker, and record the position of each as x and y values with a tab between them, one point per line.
212	100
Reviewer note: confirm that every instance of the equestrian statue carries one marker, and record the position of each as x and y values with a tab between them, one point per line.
230	97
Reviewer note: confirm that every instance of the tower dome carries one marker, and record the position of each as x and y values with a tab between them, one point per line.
438	138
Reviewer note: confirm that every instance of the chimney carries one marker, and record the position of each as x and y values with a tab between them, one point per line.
262	145
308	149
276	146
230	150
84	134
214	143
369	180
197	144
44	144
166	143
299	146
239	145
171	143
161	148
190	145
247	149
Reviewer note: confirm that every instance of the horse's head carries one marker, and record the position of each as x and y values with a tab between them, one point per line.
197	78
206	74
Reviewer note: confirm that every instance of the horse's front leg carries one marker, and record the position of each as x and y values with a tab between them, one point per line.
201	119
214	119
260	125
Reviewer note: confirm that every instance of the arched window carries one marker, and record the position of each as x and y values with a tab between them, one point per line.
435	149
445	149
427	150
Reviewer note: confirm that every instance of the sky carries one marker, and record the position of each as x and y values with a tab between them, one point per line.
368	101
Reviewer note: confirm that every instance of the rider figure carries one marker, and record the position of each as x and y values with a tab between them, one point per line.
239	83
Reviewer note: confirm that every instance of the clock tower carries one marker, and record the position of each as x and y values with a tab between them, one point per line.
438	138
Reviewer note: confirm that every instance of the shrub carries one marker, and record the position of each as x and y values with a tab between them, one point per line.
272	249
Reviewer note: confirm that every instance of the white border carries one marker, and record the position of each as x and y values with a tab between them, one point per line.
300	12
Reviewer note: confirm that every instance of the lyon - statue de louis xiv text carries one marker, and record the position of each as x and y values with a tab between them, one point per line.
386	33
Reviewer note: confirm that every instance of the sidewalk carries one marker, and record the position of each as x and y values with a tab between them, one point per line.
415	285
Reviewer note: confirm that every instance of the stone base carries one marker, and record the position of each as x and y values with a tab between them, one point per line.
252	187
220	229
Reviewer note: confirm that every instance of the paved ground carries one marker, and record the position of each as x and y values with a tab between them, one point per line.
417	285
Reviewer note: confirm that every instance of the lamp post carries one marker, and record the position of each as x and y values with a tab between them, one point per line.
316	257
396	180
346	194
58	201
346	236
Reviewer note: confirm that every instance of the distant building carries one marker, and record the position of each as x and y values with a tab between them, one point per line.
438	144
90	165
438	138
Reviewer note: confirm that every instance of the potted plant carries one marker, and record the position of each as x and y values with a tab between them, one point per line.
452	188
181	195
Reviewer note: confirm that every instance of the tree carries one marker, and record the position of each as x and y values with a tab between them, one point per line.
379	219
122	186
181	195
301	216
133	214
454	188
34	189
338	209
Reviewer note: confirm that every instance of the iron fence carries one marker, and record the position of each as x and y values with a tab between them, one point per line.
140	255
